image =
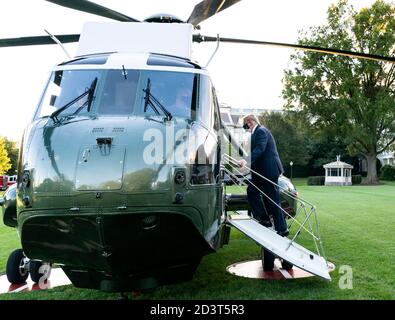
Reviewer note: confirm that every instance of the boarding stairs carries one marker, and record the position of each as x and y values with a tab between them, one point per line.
303	225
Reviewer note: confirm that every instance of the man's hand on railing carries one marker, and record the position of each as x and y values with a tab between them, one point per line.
242	163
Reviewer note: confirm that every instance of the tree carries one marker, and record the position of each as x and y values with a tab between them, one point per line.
352	99
291	144
324	149
4	159
13	152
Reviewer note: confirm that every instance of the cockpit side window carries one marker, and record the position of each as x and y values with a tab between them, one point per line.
205	102
217	117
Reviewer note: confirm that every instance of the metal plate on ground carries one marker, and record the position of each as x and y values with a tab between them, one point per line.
56	279
254	270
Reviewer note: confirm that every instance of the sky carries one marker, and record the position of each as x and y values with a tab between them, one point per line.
244	76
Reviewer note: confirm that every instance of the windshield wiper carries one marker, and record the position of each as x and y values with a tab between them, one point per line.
150	100
88	102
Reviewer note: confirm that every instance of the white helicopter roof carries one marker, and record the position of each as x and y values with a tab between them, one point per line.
137	61
136	37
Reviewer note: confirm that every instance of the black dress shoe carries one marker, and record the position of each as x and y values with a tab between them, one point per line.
266	224
284	233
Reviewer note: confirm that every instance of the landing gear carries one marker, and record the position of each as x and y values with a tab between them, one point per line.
19	266
267	259
39	270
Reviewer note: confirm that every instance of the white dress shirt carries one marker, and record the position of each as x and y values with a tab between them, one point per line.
253	129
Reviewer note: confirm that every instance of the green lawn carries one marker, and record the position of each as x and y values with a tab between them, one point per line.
357	227
8	242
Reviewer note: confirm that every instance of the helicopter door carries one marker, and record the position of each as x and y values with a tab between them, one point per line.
91	161
280	246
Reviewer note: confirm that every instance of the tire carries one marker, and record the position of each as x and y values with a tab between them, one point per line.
17	272
267	259
36	274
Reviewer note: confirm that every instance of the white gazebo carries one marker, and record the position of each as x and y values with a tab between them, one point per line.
338	173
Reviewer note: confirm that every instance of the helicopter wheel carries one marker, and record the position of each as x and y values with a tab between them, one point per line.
17	267
267	259
39	270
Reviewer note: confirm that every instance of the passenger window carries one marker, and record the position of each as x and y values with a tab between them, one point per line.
203	168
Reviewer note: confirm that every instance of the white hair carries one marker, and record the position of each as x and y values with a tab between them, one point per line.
253	117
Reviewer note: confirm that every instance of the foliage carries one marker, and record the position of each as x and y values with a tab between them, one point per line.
13	152
356	179
298	171
352	99
291	143
4	159
387	172
324	149
316	181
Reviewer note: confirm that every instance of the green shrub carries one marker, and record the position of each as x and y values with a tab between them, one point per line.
356	179
316	181
387	172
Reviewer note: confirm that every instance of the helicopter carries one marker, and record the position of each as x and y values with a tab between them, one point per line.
120	174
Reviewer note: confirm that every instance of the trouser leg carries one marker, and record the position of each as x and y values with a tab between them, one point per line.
273	207
255	200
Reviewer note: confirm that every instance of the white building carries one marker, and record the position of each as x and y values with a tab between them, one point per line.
387	158
338	173
232	118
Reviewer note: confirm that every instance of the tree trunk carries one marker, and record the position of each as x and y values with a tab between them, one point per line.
372	170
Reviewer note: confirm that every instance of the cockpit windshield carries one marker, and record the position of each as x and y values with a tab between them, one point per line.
64	86
119	92
174	90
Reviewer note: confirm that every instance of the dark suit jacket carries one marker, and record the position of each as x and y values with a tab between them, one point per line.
264	156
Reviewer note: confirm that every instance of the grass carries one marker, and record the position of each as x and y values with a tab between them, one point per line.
8	242
357	225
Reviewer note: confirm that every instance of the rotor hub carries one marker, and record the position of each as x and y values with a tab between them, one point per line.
163	18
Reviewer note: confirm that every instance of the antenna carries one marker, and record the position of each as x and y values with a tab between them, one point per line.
212	56
59	43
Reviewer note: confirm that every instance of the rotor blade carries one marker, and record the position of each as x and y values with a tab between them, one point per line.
352	54
90	7
208	8
38	40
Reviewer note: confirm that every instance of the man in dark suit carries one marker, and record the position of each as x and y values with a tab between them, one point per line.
265	161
